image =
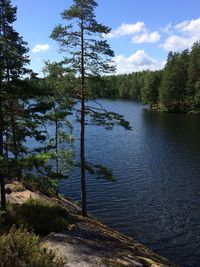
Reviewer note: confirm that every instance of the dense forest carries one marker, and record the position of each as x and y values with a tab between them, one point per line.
176	88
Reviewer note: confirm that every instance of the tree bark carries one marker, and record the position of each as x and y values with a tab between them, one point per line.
56	145
3	194
2	178
82	132
2	181
14	139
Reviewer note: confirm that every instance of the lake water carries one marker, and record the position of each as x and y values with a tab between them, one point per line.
156	199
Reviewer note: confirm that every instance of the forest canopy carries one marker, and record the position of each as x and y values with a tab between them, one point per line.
176	88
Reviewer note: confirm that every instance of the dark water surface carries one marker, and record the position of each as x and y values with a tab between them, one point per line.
156	199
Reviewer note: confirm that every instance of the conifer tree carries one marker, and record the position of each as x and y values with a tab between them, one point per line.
89	54
150	89
19	118
193	83
13	57
173	86
60	81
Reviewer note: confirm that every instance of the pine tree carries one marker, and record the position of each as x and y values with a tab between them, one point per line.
152	83
12	60
89	55
193	88
60	81
19	117
173	86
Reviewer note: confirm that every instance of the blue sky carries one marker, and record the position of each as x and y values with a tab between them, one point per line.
143	31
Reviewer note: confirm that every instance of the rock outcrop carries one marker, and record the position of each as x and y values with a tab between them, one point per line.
89	243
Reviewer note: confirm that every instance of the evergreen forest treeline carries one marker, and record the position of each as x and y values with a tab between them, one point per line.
176	88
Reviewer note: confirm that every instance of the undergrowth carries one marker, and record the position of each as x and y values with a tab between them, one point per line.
20	248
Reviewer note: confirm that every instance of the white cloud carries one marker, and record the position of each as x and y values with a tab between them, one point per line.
40	47
181	25
178	43
168	28
126	29
186	33
136	62
138	30
191	27
153	37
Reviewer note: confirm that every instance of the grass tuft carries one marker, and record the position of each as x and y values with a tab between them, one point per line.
20	248
42	217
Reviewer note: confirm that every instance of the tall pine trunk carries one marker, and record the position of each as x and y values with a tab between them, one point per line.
56	145
88	54
2	181
14	140
82	132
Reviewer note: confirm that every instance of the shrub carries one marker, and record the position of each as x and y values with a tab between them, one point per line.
42	217
47	186
16	187
19	248
2	221
7	219
35	185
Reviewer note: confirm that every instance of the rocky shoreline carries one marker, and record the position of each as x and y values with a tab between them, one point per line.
89	243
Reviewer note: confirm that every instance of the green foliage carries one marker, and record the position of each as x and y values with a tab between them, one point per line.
45	179
173	86
44	185
20	248
100	171
13	60
2	221
174	89
42	217
15	187
197	95
149	92
89	56
27	106
192	87
120	86
62	81
96	49
107	119
7	219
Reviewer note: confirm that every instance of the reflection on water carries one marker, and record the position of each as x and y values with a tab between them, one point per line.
156	199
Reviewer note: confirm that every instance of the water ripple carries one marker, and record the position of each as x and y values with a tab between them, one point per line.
156	198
